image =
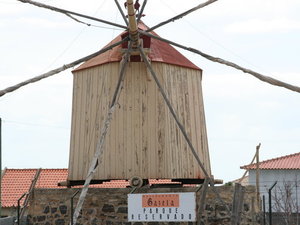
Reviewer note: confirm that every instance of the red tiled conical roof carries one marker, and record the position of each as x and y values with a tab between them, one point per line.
159	52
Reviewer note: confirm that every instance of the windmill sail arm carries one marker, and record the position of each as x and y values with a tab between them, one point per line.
259	76
58	70
182	14
63	11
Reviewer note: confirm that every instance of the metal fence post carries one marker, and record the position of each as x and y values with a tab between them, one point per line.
72	204
270	203
19	206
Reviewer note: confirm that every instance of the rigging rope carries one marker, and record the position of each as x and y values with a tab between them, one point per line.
63	11
58	70
259	76
182	15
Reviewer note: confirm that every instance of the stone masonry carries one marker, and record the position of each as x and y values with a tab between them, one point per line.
109	206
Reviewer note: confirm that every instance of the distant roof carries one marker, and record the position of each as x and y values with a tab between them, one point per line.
159	52
288	162
16	182
243	182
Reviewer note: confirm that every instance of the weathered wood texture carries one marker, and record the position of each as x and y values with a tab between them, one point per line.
143	139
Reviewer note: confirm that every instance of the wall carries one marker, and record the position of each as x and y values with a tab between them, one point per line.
109	206
287	181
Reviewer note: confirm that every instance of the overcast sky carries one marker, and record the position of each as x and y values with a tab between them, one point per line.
241	111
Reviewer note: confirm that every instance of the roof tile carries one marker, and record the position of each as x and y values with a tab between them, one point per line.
288	162
16	182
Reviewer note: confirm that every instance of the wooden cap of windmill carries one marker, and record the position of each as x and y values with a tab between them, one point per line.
143	139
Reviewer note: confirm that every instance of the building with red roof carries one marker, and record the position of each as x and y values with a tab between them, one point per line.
285	171
17	182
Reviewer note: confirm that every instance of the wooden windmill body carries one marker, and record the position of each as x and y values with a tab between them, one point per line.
143	139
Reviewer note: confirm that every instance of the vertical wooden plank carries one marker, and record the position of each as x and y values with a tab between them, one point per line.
179	140
97	88
72	152
77	125
105	100
129	89
125	106
120	164
203	127
85	126
111	138
181	76
138	139
144	121
168	152
101	84
152	131
194	129
82	107
173	138
199	120
161	142
188	114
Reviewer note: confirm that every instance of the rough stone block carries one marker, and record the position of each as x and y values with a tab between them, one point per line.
108	208
122	209
60	222
63	209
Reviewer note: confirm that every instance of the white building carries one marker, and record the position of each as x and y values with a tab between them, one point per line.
285	171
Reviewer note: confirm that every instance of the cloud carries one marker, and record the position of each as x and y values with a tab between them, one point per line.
44	23
12	8
263	26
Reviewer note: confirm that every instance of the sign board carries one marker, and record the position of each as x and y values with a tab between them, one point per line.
162	207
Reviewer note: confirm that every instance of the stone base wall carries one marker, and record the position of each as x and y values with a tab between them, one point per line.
109	206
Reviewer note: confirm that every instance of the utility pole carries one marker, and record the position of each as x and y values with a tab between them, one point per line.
257	175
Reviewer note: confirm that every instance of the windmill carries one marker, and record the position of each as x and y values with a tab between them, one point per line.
135	44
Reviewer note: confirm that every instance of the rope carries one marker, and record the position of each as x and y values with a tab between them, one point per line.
63	11
259	76
182	15
58	70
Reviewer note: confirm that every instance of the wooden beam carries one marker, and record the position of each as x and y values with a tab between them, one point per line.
133	27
